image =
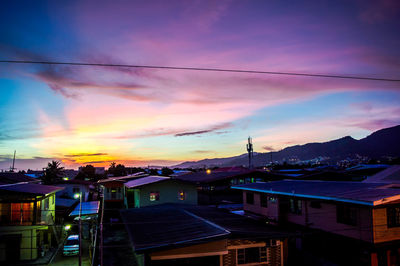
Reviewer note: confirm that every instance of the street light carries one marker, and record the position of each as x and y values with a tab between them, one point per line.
76	196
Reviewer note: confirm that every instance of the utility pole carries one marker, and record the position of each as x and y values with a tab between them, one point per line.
250	151
80	226
101	228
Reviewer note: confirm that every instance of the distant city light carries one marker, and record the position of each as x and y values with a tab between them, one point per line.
77	195
208	171
65	178
67	227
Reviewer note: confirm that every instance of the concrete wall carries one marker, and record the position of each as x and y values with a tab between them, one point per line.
323	218
28	245
169	193
48	214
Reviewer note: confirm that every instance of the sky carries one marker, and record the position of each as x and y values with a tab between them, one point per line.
139	116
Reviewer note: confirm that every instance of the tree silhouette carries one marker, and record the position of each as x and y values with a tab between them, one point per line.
53	173
165	171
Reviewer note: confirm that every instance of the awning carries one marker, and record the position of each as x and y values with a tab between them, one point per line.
88	208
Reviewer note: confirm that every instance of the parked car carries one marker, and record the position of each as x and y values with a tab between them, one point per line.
71	246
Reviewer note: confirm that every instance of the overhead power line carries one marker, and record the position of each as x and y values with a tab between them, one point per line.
203	69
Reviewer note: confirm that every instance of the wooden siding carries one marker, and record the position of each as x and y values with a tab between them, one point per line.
381	232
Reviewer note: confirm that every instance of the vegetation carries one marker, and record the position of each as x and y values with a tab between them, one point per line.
53	173
165	171
117	170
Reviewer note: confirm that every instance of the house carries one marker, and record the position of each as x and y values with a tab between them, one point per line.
214	185
113	189
362	220
76	186
200	235
153	190
27	212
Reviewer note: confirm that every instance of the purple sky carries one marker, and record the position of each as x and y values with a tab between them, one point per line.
144	116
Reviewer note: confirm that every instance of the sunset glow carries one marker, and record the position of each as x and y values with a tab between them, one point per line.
135	116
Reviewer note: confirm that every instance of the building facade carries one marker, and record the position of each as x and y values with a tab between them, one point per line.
27	215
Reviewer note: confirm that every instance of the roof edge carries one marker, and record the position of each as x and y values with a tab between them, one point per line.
359	202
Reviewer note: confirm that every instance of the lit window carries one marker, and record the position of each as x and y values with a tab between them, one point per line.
154	196
182	195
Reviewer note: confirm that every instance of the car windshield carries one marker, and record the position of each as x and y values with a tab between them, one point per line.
72	242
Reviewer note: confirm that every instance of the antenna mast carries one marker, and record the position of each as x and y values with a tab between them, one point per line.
250	151
12	168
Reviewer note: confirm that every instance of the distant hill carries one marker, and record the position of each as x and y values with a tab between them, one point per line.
384	142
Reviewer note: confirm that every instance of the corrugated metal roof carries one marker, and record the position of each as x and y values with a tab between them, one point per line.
31	188
145	181
389	175
88	208
160	226
13	178
352	192
215	175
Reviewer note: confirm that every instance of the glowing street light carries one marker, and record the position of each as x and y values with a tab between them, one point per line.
208	171
67	227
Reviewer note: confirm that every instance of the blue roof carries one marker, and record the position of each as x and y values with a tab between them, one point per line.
352	192
88	208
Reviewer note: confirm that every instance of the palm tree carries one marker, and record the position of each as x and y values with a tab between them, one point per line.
53	173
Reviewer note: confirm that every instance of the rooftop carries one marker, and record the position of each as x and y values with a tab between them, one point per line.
161	226
145	181
172	224
122	178
389	175
30	188
88	208
215	175
352	192
12	178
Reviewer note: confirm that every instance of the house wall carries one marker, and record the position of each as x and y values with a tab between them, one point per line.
323	218
28	249
47	209
381	231
108	186
169	192
69	190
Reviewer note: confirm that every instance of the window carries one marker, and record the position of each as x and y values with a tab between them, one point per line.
251	255
154	196
249	198
295	206
393	216
315	204
113	193
181	195
272	199
46	203
264	200
346	215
